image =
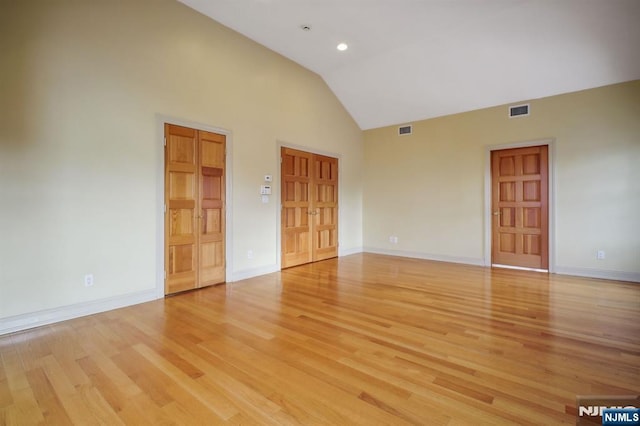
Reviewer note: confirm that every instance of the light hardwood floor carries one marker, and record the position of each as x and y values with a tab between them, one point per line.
364	339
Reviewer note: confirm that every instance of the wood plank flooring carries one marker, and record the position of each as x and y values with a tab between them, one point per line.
365	339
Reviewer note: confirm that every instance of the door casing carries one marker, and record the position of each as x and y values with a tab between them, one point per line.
487	196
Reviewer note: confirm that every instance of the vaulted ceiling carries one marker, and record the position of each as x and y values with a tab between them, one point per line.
409	60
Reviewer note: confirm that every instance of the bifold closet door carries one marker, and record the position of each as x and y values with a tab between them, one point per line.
309	218
194	208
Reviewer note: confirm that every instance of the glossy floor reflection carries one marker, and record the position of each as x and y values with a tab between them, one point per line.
364	339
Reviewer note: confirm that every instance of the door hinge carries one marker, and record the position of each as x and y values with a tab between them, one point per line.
165	208
165	275
165	141
280	160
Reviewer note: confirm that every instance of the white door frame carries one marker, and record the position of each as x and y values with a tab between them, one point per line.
550	143
160	266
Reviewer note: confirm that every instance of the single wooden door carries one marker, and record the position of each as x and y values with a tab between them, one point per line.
520	225
194	208
309	195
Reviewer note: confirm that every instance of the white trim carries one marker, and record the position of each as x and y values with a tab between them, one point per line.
426	256
633	277
552	195
518	268
283	144
277	187
599	273
255	272
160	121
50	316
349	252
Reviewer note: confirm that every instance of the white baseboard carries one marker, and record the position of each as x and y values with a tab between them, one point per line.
347	252
562	270
49	316
599	273
426	256
254	272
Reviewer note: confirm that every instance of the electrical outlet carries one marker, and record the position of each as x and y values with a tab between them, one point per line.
88	280
250	254
393	239
600	255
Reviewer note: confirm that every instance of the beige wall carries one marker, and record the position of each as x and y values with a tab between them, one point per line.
82	85
428	188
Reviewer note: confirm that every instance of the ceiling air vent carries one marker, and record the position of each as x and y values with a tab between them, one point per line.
405	130
518	110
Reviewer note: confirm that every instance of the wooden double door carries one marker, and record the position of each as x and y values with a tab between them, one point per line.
520	225
309	195
194	208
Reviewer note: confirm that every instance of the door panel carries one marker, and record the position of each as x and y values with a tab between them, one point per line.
212	265
195	208
520	207
212	208
325	230
295	221
180	199
309	207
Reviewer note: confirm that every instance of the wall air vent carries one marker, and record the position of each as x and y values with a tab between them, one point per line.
518	110
405	130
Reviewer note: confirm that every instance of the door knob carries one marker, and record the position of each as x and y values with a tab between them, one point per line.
496	213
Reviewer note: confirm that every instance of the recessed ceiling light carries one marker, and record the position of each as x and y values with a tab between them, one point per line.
305	27
342	47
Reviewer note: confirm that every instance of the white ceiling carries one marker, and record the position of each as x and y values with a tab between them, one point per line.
415	59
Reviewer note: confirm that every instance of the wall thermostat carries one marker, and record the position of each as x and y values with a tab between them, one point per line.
265	189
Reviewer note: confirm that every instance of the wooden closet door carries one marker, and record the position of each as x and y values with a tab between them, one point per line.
195	208
181	187
309	218
520	225
296	174
212	209
325	208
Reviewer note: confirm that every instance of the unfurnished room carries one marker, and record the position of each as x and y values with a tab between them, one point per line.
304	212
